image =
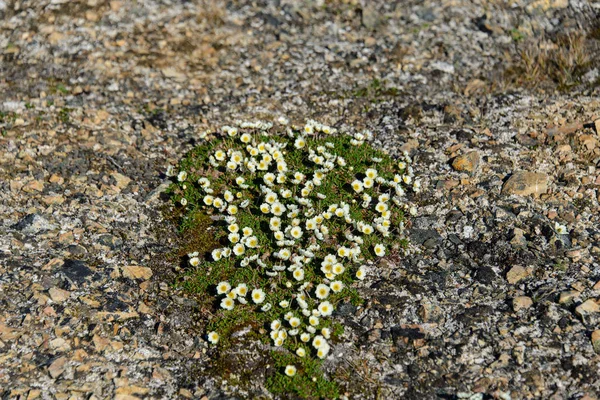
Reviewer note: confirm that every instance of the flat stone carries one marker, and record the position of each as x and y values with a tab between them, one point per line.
76	271
568	296
137	272
522	303
33	224
58	295
596	340
588	307
57	367
516	274
122	180
523	183
519	239
467	162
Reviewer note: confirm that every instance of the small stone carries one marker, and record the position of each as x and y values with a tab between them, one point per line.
430	312
466	162
586	308
59	295
33	186
122	180
596	340
76	271
597	125
57	367
516	274
33	223
137	272
370	17
519	239
525	183
567	297
522	303
59	344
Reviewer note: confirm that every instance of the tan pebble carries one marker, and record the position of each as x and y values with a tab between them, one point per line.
525	183
466	162
137	272
131	390
57	367
568	296
33	186
588	307
516	274
522	303
596	340
189	395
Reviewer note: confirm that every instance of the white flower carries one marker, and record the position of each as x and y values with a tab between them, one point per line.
252	242
298	274
305	337
290	370
357	186
208	200
246	138
326	332
313	320
233	228
194	261
183	201
213	337
318	341
294	322
217	254
371	173
379	250
277	209
322	291
284	304
325	308
266	307
296	232
323	351
227	303
223	287
336	286
239	249
361	273
241	289
368	183
560	229
300	352
258	296
275	325
182	176
234	237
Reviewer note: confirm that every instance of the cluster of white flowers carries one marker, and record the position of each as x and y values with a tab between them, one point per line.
301	224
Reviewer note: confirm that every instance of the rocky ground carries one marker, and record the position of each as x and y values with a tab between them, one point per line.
497	102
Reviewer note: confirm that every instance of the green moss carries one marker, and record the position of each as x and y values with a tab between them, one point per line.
308	383
203	229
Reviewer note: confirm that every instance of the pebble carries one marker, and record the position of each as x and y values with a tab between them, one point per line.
588	307
522	303
516	274
137	272
567	297
596	340
468	162
33	224
524	183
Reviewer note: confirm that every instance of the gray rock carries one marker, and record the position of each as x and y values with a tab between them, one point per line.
33	224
